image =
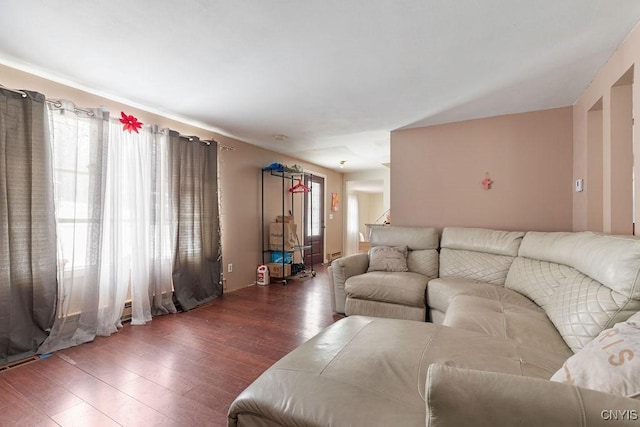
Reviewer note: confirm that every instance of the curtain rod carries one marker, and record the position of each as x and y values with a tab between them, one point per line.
53	102
209	142
24	95
56	103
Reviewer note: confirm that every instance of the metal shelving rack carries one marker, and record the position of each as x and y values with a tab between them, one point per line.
288	176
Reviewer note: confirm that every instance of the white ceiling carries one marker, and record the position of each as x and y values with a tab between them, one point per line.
366	186
334	76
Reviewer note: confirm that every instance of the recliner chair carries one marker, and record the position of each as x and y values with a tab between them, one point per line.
372	290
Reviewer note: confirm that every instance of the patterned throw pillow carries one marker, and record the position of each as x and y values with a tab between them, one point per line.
609	363
387	258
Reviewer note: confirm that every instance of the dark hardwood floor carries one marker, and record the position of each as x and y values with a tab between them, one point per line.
179	370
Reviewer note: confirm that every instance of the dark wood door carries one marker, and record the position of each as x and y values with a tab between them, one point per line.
314	221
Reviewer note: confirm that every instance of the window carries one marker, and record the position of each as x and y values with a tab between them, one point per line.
75	176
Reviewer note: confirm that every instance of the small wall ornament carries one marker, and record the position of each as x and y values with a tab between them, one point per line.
334	202
486	182
130	123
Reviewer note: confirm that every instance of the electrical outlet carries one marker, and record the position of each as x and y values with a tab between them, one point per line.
229	268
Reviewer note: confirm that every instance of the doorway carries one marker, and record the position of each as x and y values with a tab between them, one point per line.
314	221
365	206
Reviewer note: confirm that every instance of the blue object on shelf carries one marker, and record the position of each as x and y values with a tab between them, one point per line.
275	166
279	256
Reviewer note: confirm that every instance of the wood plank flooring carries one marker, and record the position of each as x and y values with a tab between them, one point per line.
178	370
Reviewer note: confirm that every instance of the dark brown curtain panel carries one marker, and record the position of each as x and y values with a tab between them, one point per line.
28	284
194	194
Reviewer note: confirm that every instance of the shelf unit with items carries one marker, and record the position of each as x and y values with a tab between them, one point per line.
282	242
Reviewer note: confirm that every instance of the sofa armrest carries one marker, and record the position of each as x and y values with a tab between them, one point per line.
457	397
342	269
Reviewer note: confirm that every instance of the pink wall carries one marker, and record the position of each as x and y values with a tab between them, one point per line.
437	173
605	141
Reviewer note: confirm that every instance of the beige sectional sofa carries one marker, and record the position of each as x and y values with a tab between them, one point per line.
508	311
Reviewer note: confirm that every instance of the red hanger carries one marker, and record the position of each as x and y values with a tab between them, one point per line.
299	188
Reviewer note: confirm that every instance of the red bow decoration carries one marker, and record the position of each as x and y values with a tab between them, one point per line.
130	123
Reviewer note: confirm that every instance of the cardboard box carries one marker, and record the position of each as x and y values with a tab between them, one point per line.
286	218
279	270
279	256
278	230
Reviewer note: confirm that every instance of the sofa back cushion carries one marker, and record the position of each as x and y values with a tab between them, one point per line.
421	242
478	254
535	279
585	282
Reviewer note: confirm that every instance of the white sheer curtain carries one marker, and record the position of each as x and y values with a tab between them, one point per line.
116	235
138	232
353	224
78	139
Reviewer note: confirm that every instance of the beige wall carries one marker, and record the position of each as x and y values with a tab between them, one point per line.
437	172
370	208
605	142
239	173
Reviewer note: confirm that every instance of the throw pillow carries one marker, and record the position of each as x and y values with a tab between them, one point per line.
609	363
387	258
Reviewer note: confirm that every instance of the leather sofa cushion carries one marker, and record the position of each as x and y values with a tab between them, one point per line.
477	266
364	371
613	261
537	280
424	262
441	291
586	282
490	399
405	288
540	346
478	254
482	240
363	307
583	307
